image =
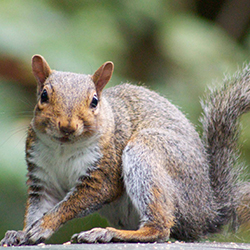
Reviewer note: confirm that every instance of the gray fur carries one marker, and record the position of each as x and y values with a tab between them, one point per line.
151	169
221	111
164	151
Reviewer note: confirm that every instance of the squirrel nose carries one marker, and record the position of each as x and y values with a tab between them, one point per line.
67	129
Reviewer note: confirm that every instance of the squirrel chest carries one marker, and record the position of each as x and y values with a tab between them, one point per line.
60	166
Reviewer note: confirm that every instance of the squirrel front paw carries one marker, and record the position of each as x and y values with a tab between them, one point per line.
13	238
36	233
101	235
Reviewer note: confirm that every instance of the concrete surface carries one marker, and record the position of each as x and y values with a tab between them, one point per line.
122	246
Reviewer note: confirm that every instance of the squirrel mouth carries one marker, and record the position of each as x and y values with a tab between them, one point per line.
64	139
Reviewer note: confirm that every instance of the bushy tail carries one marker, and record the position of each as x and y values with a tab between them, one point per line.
221	110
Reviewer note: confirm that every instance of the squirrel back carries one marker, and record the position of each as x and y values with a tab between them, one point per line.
138	109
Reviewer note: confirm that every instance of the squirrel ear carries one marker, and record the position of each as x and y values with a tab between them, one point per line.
102	76
41	69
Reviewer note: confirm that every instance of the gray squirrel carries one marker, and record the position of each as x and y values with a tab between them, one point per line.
131	155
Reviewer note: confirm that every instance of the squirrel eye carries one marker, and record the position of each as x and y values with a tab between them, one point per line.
94	102
44	96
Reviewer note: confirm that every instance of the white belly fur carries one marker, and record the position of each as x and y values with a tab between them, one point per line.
60	166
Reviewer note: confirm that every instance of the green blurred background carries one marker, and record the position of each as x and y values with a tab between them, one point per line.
176	47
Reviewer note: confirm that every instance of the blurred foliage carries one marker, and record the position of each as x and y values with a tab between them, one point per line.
175	47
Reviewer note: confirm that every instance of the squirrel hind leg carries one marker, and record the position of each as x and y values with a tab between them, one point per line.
150	189
103	235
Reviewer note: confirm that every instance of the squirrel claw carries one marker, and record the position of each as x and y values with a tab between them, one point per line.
13	238
37	234
101	235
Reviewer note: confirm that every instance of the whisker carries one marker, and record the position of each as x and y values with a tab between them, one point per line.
27	102
14	132
20	114
24	112
20	140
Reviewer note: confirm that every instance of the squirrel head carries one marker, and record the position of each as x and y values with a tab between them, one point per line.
68	104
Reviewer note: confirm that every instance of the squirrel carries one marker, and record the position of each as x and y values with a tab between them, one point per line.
134	157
